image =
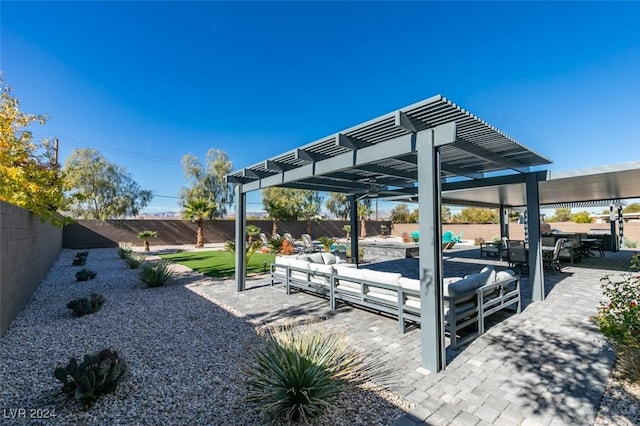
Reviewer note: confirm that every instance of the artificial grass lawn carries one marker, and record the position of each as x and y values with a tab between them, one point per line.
218	264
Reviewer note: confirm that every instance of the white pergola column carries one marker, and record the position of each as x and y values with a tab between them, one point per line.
241	261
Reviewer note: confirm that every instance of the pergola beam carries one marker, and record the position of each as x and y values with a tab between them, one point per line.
350	142
399	146
487	155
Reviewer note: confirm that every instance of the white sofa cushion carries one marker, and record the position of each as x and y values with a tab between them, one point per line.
505	275
388	278
301	264
315	258
328	258
349	285
320	273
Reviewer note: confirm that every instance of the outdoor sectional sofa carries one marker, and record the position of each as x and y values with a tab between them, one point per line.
468	301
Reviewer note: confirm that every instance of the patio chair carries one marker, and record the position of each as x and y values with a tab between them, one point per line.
298	247
517	256
553	261
504	250
448	240
309	247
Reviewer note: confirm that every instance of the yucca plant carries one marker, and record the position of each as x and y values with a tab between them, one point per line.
275	244
124	249
134	260
155	274
300	372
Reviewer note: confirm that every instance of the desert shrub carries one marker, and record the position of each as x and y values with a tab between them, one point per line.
124	249
86	305
287	248
301	371
82	254
155	274
619	320
478	240
85	275
635	262
134	260
631	243
99	373
230	246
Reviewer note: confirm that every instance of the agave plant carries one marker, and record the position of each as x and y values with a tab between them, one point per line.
301	371
155	274
99	373
134	260
124	249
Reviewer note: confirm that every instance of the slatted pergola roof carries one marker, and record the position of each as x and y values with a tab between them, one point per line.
379	155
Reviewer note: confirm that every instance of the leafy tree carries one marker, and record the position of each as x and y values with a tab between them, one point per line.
400	214
280	203
29	175
560	215
207	181
338	205
476	215
310	207
631	208
196	210
582	217
286	204
445	214
99	189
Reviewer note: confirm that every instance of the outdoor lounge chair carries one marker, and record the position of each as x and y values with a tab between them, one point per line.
298	247
309	247
553	261
448	240
264	239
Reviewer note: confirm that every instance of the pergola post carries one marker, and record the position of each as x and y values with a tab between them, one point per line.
504	221
241	203
353	220
536	277
430	263
612	222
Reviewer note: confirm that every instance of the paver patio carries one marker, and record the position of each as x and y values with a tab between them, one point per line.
547	366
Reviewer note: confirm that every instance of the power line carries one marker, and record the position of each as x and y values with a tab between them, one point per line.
114	150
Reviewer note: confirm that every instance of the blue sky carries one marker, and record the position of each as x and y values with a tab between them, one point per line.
147	82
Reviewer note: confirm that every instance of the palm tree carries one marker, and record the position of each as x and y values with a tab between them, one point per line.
145	235
196	210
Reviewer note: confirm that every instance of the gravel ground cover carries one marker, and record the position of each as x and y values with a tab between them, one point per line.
185	354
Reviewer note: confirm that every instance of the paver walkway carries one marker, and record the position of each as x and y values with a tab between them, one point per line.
547	366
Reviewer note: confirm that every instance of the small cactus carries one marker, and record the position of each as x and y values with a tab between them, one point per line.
99	373
85	275
86	305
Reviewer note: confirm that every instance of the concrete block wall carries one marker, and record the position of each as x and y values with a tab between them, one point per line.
28	248
85	234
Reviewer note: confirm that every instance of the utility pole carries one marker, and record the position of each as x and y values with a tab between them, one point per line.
55	148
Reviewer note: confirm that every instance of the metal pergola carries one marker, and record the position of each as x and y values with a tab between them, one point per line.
414	152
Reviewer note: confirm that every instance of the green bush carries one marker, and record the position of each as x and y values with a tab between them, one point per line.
619	320
99	373
124	249
134	260
86	305
155	274
301	371
635	262
85	275
79	261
